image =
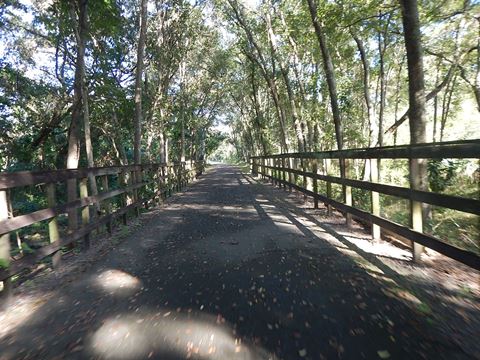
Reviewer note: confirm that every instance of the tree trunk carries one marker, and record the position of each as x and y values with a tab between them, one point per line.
397	97
138	83
73	154
117	141
476	85
382	47
447	99
435	106
270	79
258	112
182	140
272	86
88	143
305	122
161	139
81	31
332	88
416	113
4	245
181	155
291	98
381	109
366	83
329	73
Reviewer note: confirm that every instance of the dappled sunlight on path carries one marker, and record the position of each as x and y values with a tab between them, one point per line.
235	269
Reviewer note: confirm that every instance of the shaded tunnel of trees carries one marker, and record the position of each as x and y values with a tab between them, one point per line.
126	82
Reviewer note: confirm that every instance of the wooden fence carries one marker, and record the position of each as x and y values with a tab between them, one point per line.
286	169
123	189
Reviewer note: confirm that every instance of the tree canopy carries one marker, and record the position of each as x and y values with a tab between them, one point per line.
263	76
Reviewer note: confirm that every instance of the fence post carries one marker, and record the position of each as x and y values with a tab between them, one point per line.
149	176
53	232
85	210
274	171
270	170
4	246
163	189
347	191
375	197
284	174
72	213
315	183
107	203
179	172
329	186
123	178
290	175
171	177
263	168
304	178
416	217
182	175
136	177
295	167
279	172
156	185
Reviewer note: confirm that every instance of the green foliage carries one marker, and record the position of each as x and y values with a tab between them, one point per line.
27	249
4	263
441	173
213	141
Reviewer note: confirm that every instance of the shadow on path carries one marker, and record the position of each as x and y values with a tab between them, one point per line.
228	271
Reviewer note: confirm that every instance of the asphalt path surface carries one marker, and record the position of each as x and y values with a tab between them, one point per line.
229	269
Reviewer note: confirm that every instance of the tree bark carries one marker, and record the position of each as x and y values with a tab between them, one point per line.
138	83
73	152
382	47
366	83
258	112
329	73
416	113
117	141
181	157
306	123
291	98
270	79
332	89
447	99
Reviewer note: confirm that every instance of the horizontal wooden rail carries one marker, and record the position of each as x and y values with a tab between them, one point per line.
156	180
21	221
453	252
471	206
467	149
283	168
32	259
26	178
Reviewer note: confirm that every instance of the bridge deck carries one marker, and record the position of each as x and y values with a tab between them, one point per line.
234	269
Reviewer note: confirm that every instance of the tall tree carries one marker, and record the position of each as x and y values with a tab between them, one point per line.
78	12
329	72
138	83
416	112
258	58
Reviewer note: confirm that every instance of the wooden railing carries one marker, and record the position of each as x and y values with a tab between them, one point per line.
285	169
123	189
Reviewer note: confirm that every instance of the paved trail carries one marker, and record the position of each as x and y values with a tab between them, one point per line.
230	269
